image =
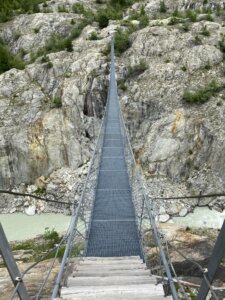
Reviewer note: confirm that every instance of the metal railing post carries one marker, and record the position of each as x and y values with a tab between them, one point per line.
11	265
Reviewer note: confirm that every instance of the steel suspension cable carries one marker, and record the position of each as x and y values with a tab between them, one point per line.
35	264
203	271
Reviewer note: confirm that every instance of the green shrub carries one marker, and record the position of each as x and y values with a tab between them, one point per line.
56	43
62	8
209	18
11	8
198	40
57	102
8	60
177	14
121	3
191	15
122	42
36	30
44	59
222	47
175	20
78	8
104	15
208	67
162	7
40	191
141	16
202	95
205	31
49	65
51	236
122	85
136	69
93	36
185	27
102	19
184	68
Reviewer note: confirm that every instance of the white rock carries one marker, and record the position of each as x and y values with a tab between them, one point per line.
31	188
135	22
183	212
164	218
30	211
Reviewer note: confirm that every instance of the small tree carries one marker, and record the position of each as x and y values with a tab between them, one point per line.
162	7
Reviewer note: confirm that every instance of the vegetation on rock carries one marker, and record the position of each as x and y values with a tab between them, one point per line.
8	60
11	8
202	95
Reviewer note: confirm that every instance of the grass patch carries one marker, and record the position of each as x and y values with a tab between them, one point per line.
11	8
104	15
140	16
136	70
184	68
62	8
54	44
205	31
175	20
8	60
162	7
122	85
122	42
46	243
57	102
202	95
93	36
222	46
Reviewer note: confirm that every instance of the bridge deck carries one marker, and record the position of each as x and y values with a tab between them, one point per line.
113	230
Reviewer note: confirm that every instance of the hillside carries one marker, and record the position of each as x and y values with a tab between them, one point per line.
54	70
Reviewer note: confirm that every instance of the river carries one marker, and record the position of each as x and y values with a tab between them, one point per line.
19	226
201	217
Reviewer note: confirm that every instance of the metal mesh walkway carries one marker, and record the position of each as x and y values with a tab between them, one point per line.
113	230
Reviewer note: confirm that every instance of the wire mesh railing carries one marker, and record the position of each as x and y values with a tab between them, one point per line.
81	218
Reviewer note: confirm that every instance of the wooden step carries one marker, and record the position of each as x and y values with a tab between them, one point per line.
119	258
134	288
109	280
111	267
112	278
102	273
117	296
101	262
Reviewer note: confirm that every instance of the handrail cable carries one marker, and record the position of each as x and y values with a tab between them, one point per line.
47	276
35	197
74	219
174	272
151	217
203	271
191	197
36	263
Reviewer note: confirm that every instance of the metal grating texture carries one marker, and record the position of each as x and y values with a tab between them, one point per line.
113	230
113	238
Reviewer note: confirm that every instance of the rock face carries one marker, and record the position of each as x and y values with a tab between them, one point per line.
50	112
179	145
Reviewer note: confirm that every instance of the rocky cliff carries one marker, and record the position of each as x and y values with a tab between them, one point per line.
171	86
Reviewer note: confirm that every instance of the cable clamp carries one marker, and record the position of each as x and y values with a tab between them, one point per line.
18	279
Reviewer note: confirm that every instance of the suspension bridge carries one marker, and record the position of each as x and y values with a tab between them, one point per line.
112	228
113	232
